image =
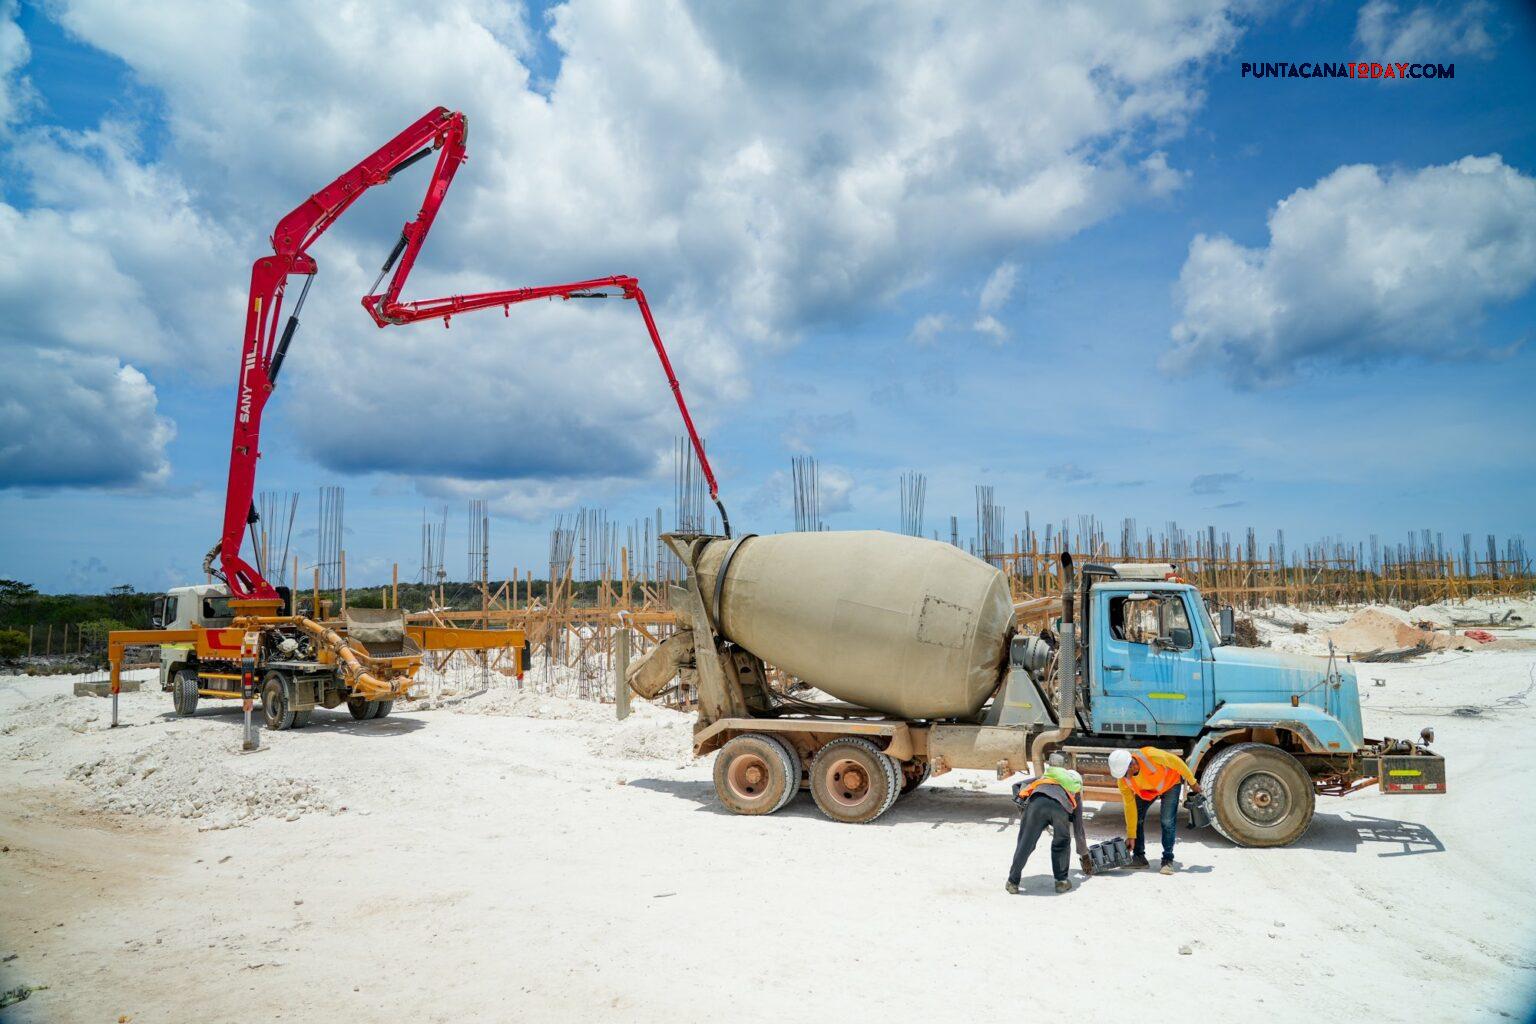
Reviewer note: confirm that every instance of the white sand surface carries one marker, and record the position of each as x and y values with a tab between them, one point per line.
510	857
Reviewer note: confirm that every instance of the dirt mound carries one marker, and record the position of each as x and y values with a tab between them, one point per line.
188	775
1388	629
649	734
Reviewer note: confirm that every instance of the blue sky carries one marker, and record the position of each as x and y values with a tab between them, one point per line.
1105	275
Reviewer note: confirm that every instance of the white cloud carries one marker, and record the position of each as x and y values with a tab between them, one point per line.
1366	264
762	175
71	420
16	92
1426	31
999	287
992	328
928	328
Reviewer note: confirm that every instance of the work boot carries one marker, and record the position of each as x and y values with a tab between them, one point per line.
1062	885
1139	860
1013	888
1167	868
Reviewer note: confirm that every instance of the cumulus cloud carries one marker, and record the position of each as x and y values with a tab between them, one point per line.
842	158
16	92
1425	31
1366	264
72	420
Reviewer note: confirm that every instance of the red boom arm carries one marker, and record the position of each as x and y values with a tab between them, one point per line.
264	350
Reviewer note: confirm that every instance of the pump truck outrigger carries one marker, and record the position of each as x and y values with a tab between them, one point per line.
216	637
918	644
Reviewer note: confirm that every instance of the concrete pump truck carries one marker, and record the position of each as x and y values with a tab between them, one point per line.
241	637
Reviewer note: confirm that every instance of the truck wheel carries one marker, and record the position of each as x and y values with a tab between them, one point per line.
853	781
274	702
184	693
914	773
1259	795
753	773
384	708
796	770
361	709
301	718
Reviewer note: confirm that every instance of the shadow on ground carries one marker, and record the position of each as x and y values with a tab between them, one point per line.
321	722
1338	833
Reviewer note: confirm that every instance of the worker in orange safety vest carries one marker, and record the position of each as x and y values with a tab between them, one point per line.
1146	775
1052	801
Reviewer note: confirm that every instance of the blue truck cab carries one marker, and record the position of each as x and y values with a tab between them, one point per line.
1265	731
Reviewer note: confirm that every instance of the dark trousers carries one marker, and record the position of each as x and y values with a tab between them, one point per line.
1040	811
1170	821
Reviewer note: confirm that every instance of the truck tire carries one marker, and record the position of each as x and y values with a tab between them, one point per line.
796	771
184	693
753	773
362	710
301	718
384	708
1259	795
274	702
852	780
914	773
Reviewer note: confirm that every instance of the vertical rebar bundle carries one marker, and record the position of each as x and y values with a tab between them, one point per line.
688	488
329	536
914	494
273	534
479	541
807	494
988	543
433	539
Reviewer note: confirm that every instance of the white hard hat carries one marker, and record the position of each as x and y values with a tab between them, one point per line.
1119	762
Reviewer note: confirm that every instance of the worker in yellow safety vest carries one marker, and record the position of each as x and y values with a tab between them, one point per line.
1054	800
1146	775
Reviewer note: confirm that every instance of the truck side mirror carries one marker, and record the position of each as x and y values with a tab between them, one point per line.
1228	625
157	613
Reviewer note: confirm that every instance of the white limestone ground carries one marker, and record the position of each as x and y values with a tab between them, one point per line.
510	856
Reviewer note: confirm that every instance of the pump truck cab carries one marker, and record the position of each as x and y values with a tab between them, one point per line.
915	642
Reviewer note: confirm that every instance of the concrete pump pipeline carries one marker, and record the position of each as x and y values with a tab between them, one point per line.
368	685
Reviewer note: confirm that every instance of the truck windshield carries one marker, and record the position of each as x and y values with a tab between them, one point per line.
1208	623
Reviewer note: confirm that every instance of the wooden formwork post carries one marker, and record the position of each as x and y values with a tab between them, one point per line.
394	587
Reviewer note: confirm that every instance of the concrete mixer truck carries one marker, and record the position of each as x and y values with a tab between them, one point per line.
912	666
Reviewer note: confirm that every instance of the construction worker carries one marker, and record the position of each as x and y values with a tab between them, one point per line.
1146	775
1054	801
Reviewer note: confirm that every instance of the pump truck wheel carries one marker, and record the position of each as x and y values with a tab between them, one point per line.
384	708
274	702
1259	795
754	774
184	692
362	710
853	781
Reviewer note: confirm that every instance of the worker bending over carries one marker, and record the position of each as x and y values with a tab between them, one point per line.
1146	775
1052	800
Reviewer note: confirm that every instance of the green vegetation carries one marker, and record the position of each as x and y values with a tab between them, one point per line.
122	607
13	643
